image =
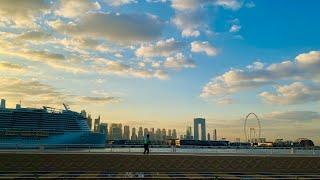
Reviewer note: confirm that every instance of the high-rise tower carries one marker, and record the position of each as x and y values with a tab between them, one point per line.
197	122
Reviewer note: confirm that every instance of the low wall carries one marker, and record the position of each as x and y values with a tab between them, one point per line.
156	163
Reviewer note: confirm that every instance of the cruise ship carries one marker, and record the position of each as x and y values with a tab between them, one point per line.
46	127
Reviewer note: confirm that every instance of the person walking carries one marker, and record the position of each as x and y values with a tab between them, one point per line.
146	142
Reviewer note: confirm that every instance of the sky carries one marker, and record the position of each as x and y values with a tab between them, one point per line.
161	63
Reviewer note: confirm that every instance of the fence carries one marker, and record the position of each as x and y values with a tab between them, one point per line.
90	148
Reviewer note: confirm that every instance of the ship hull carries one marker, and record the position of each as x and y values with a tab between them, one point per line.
63	139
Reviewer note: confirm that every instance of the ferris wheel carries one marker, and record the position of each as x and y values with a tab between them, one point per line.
252	130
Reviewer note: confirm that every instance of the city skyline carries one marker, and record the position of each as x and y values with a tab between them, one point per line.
166	62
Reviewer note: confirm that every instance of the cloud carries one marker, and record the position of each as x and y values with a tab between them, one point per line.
250	4
10	67
178	62
34	36
195	4
295	93
235	28
72	9
55	60
229	4
161	48
121	69
34	93
197	47
189	23
119	2
22	13
97	99
225	101
305	67
190	16
123	28
292	115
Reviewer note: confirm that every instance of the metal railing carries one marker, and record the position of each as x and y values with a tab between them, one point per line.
91	148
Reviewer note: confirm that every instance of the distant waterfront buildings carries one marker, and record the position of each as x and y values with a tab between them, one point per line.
115	131
104	129
169	134
188	133
164	134
140	133
202	123
134	136
208	138
126	132
174	134
152	135
215	137
83	113
3	104
96	124
145	132
158	135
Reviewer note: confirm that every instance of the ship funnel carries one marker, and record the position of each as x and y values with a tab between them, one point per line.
3	104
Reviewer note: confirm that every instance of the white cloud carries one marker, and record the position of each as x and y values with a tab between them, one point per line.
229	4
250	4
178	62
11	67
197	47
292	115
34	36
306	67
225	101
118	28
156	1
35	93
234	28
186	4
189	22
118	68
190	16
195	4
161	48
72	9
22	13
119	2
295	93
55	60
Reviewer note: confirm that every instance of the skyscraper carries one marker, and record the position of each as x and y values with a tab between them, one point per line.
145	132
214	135
140	134
84	113
158	135
104	129
3	104
197	122
208	138
126	132
164	134
152	135
169	134
174	134
96	124
134	134
115	131
89	119
189	133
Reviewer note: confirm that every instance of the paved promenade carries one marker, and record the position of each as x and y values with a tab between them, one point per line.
161	162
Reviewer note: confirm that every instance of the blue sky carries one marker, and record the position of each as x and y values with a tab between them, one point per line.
160	63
